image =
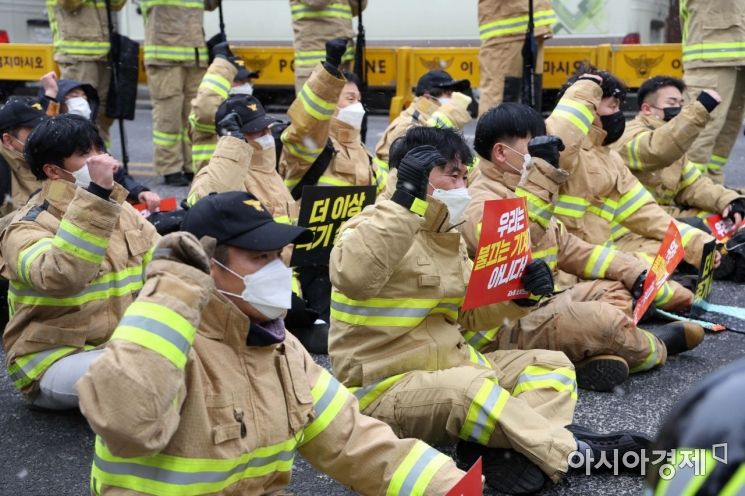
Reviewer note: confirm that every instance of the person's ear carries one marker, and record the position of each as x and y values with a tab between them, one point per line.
52	171
498	153
645	108
7	140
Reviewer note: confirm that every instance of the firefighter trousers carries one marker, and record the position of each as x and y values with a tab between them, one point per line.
713	146
172	89
523	402
591	318
57	386
98	75
498	61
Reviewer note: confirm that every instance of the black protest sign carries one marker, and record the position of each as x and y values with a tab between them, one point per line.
323	210
705	279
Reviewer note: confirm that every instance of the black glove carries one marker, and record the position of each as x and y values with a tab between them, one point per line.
546	148
538	278
222	50
638	286
737	206
413	174
183	247
230	125
334	52
707	101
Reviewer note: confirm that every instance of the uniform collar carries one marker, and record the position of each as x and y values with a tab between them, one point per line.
344	133
223	321
263	160
595	137
59	193
436	218
494	173
424	105
649	121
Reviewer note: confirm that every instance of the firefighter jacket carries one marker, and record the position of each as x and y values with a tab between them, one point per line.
182	405
423	111
174	34
314	22
213	90
655	152
237	165
23	182
398	283
80	29
312	125
602	200
503	21
713	32
75	262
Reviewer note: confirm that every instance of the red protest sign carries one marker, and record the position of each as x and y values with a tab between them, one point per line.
503	253
470	484
166	205
669	256
721	228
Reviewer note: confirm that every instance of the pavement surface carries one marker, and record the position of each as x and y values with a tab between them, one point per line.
47	453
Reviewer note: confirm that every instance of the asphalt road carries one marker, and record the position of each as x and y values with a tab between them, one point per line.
50	453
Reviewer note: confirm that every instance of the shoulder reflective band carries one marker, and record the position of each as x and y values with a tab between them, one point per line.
516	25
171	475
314	105
339	10
632	152
329	397
713	51
652	359
576	113
537	377
159	329
391	312
80	243
483	412
413	475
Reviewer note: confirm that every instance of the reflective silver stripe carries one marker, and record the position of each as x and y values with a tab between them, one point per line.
380	312
484	411
631	201
449	306
324	401
39	245
571	206
415	472
575	112
93	288
516	24
308	101
159	329
545	377
166	476
681	479
29	366
549	259
604	254
80	242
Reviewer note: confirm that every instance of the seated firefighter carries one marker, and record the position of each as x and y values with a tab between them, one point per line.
399	271
200	389
589	321
74	256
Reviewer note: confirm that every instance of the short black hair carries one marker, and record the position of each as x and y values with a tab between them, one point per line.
506	121
58	138
351	77
612	86
448	142
651	85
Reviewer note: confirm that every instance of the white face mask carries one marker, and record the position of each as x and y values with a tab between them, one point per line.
242	89
266	142
268	290
526	161
352	115
78	105
82	176
455	199
444	100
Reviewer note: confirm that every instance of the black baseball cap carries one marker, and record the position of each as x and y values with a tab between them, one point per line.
239	219
441	80
249	109
20	113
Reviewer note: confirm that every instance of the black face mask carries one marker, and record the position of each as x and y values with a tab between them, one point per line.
670	113
614	125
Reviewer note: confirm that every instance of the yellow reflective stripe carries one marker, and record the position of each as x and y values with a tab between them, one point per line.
157	328
80	243
605	210
691	468
368	394
549	255
440	120
663	296
216	83
516	25
27	368
483	412
316	106
162	138
390	312
348	55
382	164
282	219
203	152
571	206
598	263
381	179
299	150
419	207
414	474
148	256
338	10
477	358
617	231
687	233
632	201
652	359
632	152
188	4
309	57
479	339
170	475
28	255
576	113
689	175
538	210
735	484
290	183
329	397
717	161
536	377
701	167
332	181
708	51
197	125
76	47
177	53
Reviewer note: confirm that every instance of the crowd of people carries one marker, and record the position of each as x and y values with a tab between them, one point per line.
188	351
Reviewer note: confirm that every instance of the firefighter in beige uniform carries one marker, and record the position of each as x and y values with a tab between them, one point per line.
399	271
75	258
201	391
589	321
175	58
502	28
714	57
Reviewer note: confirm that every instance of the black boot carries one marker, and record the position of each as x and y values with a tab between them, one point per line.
602	450
315	337
176	179
679	336
505	470
601	372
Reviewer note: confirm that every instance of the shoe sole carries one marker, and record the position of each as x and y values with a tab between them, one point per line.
602	374
640	440
516	474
